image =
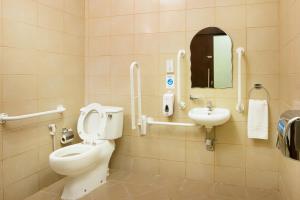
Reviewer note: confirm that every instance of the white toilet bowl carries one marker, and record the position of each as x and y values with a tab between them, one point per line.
86	164
79	158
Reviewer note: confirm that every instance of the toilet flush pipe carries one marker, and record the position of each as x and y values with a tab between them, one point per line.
239	107
134	65
180	55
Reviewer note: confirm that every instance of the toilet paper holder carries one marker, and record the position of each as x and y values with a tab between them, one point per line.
67	136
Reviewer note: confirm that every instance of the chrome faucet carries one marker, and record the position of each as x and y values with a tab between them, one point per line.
209	105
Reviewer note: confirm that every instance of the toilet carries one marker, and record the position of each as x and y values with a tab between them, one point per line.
86	164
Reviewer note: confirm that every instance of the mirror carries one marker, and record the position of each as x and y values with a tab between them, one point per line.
211	59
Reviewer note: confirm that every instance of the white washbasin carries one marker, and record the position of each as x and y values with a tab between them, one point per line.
209	118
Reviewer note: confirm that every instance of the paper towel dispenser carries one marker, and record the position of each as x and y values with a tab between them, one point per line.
288	128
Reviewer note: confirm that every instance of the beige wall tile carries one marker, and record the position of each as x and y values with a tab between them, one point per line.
146	44
16	142
166	42
95	49
172	21
196	152
146	23
73	25
172	4
262	15
229	2
48	40
191	4
200	172
11	166
145	165
143	6
72	45
228	175
172	168
263	62
262	158
58	4
122	45
19	61
98	9
262	179
119	65
172	149
24	10
47	177
122	24
99	26
145	147
231	133
75	7
198	19
230	155
16	34
25	188
122	7
98	65
260	39
21	87
231	17
50	18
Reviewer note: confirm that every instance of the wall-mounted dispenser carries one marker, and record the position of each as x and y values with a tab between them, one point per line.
288	140
168	104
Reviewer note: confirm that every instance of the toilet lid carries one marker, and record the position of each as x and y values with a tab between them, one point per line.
92	121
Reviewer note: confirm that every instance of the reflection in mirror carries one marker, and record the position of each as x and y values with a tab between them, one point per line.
211	59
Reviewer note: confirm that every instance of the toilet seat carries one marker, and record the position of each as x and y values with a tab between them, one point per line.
73	152
92	122
78	158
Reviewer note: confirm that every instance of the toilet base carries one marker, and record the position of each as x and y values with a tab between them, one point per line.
81	185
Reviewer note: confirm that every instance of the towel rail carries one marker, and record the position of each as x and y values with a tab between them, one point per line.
258	86
5	117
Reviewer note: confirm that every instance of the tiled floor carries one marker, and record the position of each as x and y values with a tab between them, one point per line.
131	186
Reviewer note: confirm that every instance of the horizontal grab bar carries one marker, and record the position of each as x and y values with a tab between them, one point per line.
151	121
5	117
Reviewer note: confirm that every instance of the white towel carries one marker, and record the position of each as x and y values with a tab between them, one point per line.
258	119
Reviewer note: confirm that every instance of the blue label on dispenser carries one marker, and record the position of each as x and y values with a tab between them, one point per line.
170	81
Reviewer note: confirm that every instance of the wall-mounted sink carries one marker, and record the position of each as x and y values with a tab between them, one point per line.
209	117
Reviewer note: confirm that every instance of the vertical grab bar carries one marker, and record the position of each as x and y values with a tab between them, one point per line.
239	107
180	54
135	65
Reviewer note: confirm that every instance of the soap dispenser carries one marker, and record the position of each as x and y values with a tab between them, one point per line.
168	104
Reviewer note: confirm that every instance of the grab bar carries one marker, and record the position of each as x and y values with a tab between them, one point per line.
5	117
151	121
143	121
135	65
239	107
180	54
